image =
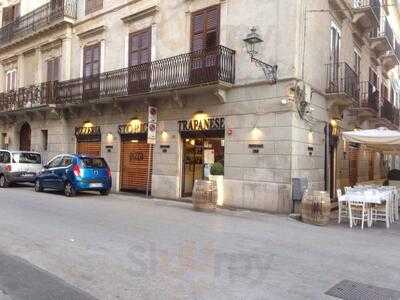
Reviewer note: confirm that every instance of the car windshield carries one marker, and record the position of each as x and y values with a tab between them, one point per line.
27	158
96	163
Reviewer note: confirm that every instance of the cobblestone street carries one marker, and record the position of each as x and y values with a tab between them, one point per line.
125	247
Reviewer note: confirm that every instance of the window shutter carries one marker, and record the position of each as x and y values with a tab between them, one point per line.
7	15
198	24
140	48
91	55
93	5
205	29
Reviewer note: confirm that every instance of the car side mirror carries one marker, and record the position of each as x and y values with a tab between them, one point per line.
46	166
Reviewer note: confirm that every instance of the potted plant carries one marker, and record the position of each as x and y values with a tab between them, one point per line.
217	175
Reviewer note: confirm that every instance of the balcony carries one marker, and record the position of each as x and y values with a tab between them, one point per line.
391	58
342	88
47	16
366	14
369	100
387	115
190	73
382	39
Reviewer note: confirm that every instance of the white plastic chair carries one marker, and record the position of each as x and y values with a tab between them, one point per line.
343	208
359	211
382	212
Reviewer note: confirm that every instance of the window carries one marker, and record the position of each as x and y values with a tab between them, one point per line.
11	80
205	29
357	63
45	140
66	161
335	44
55	162
93	5
392	96
53	69
95	163
139	47
5	157
10	13
27	158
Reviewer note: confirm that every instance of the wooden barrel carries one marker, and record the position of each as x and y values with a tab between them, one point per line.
205	195
316	208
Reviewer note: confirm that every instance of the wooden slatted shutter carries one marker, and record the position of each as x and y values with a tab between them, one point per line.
139	61
140	47
93	5
135	160
91	71
10	13
53	69
7	15
206	29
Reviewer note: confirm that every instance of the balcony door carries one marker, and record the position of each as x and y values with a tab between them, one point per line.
91	72
204	45
139	72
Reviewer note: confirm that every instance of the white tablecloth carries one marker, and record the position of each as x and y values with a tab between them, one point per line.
369	195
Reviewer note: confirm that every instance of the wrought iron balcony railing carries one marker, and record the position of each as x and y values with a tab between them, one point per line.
38	19
178	72
374	5
342	79
369	96
385	31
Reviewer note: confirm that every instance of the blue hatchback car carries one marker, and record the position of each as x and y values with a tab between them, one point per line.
75	173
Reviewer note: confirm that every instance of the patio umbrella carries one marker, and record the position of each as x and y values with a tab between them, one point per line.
380	139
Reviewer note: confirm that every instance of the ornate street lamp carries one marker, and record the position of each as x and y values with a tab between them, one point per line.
252	40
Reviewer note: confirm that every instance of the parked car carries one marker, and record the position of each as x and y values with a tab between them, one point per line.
73	173
18	166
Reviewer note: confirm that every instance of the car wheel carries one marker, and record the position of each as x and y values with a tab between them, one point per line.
69	190
104	192
38	186
3	182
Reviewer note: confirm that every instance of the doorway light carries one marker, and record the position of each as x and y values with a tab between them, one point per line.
87	124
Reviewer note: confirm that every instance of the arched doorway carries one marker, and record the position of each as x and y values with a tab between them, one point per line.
25	137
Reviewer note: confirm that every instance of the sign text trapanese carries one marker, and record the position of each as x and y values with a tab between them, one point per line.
201	125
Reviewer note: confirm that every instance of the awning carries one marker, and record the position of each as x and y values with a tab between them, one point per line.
380	139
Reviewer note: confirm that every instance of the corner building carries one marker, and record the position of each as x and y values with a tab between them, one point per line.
80	76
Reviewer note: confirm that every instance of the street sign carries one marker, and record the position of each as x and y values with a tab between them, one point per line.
152	125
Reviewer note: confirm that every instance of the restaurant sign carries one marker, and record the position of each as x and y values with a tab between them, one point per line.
207	124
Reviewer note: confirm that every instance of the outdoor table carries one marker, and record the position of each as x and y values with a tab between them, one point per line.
368	195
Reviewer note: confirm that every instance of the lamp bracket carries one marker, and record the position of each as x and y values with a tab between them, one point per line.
270	72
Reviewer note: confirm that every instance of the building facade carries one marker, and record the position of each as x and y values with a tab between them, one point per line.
82	76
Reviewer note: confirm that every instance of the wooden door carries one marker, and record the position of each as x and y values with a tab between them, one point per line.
134	166
89	148
91	71
204	45
25	138
139	73
353	166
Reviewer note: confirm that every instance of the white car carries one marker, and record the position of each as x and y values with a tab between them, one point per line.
19	166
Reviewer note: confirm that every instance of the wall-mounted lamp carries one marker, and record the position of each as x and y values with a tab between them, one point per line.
252	40
87	124
200	116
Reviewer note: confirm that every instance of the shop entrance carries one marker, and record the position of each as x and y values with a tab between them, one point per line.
136	160
199	154
88	141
